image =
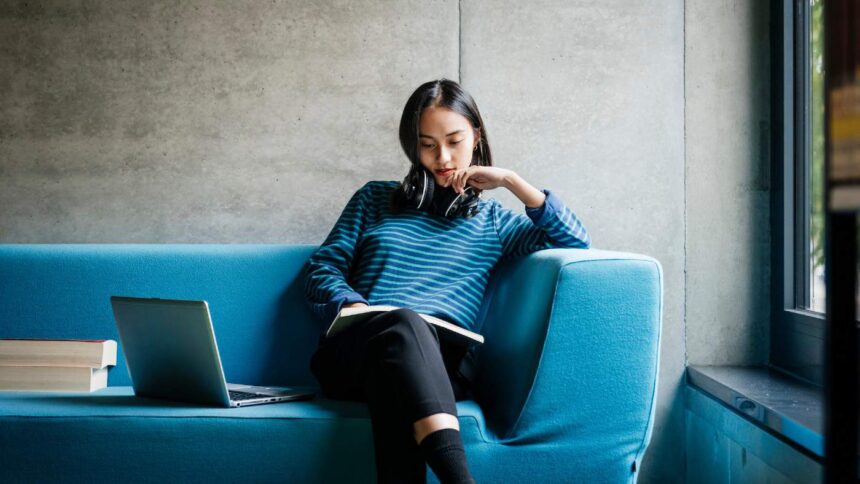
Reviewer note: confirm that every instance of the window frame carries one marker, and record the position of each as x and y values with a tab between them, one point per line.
796	335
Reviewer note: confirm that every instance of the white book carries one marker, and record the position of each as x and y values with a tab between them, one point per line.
57	352
52	378
349	316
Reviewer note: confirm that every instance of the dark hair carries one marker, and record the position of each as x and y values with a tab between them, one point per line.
442	93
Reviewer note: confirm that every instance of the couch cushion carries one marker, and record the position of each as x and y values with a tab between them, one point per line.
96	435
120	401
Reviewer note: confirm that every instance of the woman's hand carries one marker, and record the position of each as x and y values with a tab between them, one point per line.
489	177
481	177
354	305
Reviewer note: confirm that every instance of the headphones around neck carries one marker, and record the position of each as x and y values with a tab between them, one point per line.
422	193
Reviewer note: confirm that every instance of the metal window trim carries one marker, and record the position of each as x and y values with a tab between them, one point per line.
796	334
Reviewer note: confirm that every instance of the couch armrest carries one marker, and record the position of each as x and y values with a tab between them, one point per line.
572	349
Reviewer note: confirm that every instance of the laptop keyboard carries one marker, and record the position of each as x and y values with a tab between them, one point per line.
239	396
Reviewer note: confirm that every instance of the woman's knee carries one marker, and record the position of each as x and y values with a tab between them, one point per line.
406	314
409	319
405	326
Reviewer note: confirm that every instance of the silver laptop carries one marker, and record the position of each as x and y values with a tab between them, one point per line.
170	349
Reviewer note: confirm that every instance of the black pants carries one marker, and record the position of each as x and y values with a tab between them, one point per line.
394	362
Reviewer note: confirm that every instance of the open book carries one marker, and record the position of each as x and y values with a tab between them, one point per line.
450	331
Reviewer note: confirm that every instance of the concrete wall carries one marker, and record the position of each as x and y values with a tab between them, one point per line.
224	122
728	182
200	121
587	98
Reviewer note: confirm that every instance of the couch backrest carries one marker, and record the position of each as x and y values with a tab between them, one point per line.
266	334
265	331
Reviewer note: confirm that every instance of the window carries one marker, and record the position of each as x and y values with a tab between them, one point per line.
815	293
799	295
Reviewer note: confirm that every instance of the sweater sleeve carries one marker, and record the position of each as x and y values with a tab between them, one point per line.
552	225
326	287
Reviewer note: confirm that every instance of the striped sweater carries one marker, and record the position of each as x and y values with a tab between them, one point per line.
425	262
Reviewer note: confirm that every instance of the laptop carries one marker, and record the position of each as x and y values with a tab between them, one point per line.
170	349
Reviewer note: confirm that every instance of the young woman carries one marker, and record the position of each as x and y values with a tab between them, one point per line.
426	244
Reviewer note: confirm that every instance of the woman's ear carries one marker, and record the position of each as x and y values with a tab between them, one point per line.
477	151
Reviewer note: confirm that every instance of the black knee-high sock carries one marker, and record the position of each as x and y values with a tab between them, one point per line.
443	451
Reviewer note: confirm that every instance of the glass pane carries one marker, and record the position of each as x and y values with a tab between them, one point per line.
817	290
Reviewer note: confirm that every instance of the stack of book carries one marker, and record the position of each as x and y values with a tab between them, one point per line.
55	365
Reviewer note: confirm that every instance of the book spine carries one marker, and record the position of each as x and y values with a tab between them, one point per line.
99	379
108	354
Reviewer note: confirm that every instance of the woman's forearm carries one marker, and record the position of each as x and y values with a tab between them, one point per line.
529	195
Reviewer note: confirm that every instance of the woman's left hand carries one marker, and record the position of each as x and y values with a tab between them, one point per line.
481	177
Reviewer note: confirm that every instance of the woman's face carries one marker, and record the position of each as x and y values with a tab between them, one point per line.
446	141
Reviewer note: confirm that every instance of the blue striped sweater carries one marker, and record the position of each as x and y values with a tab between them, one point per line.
427	263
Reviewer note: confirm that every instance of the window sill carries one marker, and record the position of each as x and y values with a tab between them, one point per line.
790	409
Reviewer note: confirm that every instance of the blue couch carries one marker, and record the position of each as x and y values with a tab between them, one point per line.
565	391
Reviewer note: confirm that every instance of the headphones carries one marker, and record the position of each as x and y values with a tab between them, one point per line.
421	192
